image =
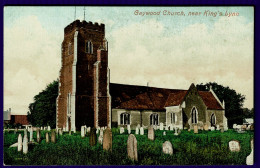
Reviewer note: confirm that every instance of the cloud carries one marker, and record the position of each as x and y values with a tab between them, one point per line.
145	52
31	61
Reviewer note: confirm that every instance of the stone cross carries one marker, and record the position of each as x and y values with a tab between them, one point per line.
107	140
234	146
20	143
250	158
151	133
141	131
38	132
195	129
47	137
25	144
161	126
122	130
137	130
53	136
132	147
167	148
93	137
82	132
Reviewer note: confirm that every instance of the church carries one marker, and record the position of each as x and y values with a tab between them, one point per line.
86	96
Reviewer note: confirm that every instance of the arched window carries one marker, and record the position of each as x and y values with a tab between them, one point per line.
69	48
154	119
173	118
194	115
89	47
124	119
213	119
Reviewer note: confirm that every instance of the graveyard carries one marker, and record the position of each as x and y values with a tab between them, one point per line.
121	146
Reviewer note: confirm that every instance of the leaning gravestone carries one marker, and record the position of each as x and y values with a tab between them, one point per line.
93	137
107	140
167	148
25	144
82	132
136	130
195	129
250	158
141	131
20	143
234	146
132	147
151	133
161	126
38	132
122	130
47	138
53	137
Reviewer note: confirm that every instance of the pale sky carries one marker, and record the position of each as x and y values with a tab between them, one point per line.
166	51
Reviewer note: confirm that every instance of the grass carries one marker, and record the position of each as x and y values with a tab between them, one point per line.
205	148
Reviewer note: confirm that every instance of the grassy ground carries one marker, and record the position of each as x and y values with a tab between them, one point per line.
205	148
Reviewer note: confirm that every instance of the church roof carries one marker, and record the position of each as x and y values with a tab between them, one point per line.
135	97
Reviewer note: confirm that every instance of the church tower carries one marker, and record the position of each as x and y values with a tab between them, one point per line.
84	97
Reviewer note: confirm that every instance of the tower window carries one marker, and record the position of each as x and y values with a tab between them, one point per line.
69	49
124	119
89	47
154	119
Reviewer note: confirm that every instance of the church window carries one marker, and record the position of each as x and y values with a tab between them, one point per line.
213	119
173	118
69	49
154	119
124	119
89	47
194	115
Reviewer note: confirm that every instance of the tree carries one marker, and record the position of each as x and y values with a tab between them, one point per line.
233	101
42	112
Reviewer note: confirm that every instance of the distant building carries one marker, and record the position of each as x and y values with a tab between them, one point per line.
14	119
7	116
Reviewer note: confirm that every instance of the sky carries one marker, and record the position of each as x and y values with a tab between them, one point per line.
167	48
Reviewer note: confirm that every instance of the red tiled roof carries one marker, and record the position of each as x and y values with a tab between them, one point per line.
175	99
210	101
21	119
139	97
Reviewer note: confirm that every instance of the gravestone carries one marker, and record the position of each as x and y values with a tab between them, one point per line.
88	129
138	125
129	129
164	133
100	139
93	137
195	129
107	140
132	147
151	133
234	146
234	126
49	128
25	132
41	128
82	132
31	134
38	133
137	130
47	138
205	127
122	130
166	128
20	143
60	132
167	148
53	137
176	131
171	127
250	158
217	128
25	144
161	126
141	131
212	128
